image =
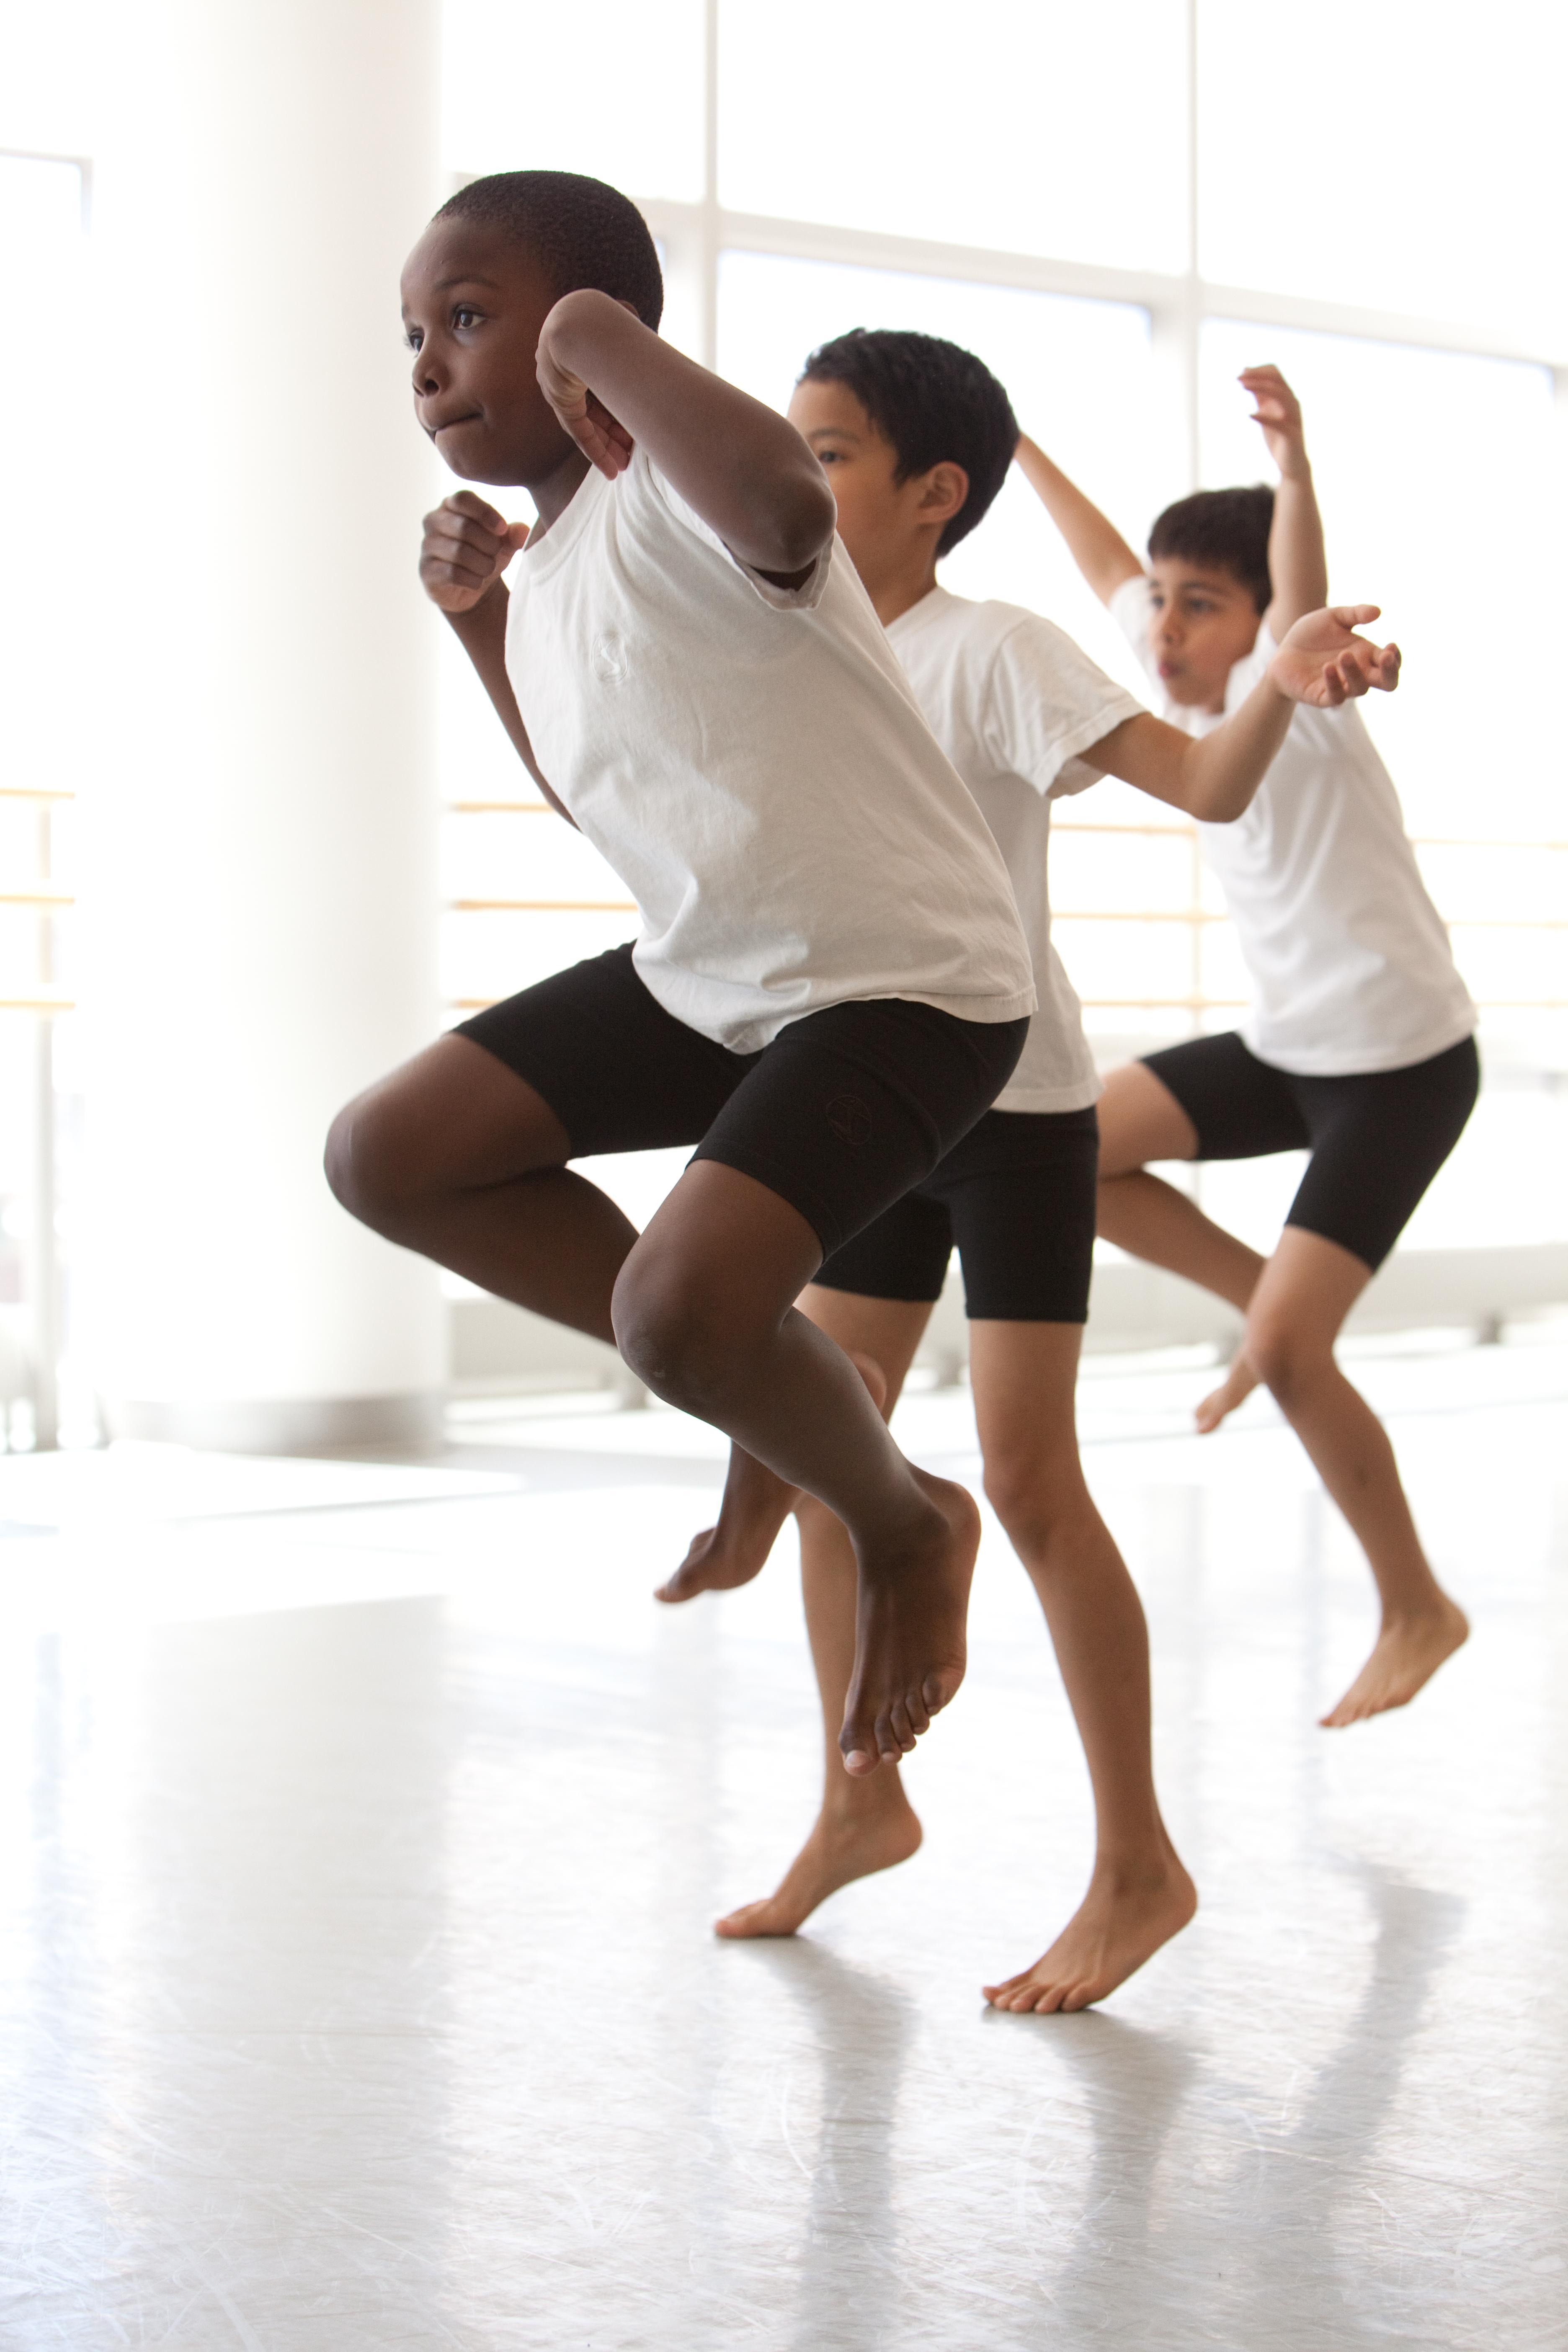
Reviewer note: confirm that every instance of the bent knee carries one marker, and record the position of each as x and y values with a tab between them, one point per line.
1286	1361
1036	1505
360	1170
674	1333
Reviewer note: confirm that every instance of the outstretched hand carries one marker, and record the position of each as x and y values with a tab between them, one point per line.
468	546
603	439
1279	412
1322	661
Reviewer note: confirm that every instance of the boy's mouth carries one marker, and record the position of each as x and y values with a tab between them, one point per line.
448	422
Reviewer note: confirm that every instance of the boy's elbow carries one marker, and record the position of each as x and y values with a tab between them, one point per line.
802	524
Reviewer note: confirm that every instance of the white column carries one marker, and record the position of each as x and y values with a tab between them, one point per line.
262	828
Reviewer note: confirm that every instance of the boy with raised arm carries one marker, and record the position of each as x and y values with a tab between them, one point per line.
829	985
1359	1045
916	438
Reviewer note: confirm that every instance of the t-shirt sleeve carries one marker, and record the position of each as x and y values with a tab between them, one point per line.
802	599
1046	705
1132	609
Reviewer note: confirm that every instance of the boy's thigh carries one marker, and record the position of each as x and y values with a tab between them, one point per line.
1021	1193
889	1330
1378	1139
452	1116
899	1260
849	1109
1233	1107
1140	1121
1023	1379
619	1072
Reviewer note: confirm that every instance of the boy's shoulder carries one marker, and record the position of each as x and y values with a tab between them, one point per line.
981	628
1004	650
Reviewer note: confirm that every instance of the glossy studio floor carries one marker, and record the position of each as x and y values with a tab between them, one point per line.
361	1826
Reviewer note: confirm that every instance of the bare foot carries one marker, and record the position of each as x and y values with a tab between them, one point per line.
731	1553
1237	1384
847	1847
911	1606
1121	1921
1408	1652
756	1505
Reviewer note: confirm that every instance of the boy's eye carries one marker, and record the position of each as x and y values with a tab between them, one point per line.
464	316
413	337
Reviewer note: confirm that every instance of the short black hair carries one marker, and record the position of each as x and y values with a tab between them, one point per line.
583	232
934	402
1226	528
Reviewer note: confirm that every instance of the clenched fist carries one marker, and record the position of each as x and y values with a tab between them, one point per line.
468	546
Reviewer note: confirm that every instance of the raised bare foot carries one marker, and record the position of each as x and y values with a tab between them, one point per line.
1237	1384
729	1554
1408	1652
1121	1921
756	1505
910	1651
838	1850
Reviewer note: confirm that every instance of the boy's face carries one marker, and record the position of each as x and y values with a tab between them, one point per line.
473	305
881	520
1205	621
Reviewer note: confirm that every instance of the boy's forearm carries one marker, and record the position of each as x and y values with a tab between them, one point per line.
482	633
1225	768
1095	544
743	468
1298	563
1212	778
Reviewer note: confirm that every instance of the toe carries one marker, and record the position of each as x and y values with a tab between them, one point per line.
937	1690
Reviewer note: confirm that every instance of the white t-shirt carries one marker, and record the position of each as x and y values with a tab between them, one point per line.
750	762
1013	701
1351	966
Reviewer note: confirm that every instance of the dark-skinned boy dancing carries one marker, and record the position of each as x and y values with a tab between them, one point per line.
830	983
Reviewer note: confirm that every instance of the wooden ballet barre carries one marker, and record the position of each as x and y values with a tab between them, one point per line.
38	897
35	792
542	905
500	808
37	1003
1060	824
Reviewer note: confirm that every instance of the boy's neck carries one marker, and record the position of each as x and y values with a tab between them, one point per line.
898	581
555	491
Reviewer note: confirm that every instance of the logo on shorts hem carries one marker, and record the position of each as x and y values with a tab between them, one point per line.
850	1120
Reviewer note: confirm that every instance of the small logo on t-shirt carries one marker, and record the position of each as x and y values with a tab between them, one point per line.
611	666
850	1120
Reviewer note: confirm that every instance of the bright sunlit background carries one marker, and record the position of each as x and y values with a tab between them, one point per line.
1118	207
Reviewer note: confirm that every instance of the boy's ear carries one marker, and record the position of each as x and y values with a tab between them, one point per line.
944	492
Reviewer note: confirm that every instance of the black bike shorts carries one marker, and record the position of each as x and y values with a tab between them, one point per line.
1377	1138
839	1115
1017	1198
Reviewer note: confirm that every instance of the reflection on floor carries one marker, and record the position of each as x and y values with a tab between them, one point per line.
360	1827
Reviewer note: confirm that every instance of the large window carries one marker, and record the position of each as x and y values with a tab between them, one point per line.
43	211
1119	207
